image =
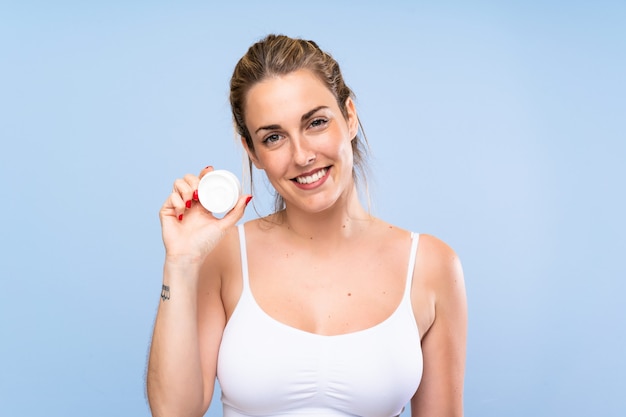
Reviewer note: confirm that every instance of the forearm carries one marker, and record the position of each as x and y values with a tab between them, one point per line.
174	378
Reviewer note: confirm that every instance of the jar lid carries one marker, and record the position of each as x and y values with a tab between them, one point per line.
219	190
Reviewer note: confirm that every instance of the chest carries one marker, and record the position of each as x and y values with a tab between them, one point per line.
328	292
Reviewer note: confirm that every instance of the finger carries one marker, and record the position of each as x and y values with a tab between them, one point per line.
185	188
192	181
205	171
233	216
174	206
178	205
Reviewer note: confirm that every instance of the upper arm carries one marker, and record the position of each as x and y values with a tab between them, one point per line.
443	346
211	313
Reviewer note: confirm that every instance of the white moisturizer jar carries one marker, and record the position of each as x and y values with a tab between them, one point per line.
219	191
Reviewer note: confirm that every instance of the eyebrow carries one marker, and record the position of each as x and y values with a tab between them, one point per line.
302	119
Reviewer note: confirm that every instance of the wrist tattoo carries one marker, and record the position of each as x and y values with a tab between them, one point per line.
165	293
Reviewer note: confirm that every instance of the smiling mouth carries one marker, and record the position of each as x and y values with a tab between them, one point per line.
310	179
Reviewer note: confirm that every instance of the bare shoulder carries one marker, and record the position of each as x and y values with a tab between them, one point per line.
438	265
438	291
223	258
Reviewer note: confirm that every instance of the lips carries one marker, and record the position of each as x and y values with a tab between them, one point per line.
313	177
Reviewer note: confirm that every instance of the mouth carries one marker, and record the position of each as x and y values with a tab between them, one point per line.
312	177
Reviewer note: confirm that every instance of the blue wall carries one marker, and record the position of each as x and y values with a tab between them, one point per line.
497	127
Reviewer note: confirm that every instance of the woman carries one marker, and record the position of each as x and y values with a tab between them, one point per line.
319	308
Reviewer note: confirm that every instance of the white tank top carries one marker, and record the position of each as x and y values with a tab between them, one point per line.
267	368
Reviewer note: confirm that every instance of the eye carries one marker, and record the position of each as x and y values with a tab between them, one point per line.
319	122
274	137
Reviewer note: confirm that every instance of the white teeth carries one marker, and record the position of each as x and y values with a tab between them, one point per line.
312	178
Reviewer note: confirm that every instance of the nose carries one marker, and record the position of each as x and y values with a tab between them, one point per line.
303	155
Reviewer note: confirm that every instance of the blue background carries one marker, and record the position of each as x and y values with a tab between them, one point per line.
497	126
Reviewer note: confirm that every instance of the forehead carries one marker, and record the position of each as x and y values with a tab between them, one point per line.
284	98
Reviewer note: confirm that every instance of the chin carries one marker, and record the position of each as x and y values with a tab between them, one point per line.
320	205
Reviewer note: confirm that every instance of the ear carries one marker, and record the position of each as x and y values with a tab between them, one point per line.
352	119
251	154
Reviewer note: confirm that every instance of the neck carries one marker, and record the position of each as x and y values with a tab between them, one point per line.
341	221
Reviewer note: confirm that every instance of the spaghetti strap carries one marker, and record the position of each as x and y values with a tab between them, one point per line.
244	258
415	237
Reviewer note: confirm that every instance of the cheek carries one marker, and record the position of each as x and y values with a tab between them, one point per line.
346	150
349	157
273	162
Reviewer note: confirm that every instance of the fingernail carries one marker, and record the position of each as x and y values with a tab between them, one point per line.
180	217
248	199
188	204
195	195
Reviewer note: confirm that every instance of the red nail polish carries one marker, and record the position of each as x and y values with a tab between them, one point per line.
195	195
248	199
188	204
180	217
